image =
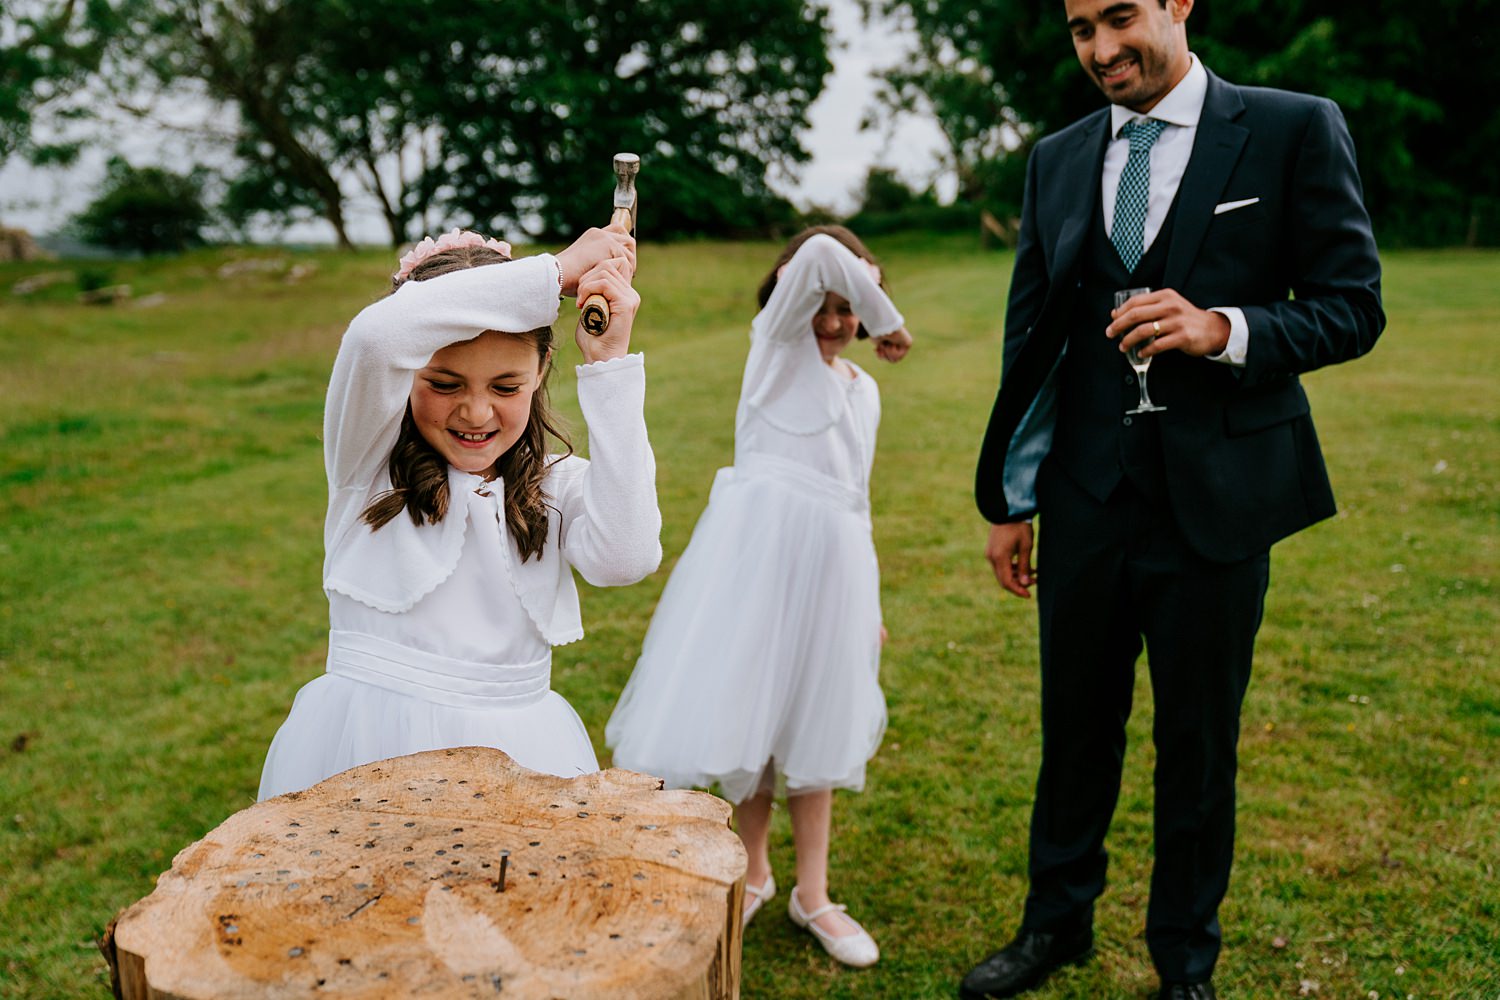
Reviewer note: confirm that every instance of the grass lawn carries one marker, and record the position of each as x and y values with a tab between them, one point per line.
161	503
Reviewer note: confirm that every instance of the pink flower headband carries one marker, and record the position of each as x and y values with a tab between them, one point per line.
447	241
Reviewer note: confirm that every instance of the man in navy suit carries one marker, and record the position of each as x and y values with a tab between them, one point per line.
1242	209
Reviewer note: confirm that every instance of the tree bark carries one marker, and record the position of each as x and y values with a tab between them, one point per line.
393	220
247	89
384	881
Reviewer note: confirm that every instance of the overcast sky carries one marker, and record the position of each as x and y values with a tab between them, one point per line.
40	201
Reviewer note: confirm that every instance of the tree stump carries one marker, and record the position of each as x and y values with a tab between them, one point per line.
385	881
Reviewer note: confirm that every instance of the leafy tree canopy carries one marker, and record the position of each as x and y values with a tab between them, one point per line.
491	113
1416	83
709	92
46	48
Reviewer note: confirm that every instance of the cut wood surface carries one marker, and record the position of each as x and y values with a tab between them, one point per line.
383	881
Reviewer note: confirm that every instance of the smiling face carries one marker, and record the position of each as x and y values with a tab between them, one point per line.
473	400
1136	51
834	326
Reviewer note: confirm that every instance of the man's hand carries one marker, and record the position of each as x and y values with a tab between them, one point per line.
1009	553
1176	323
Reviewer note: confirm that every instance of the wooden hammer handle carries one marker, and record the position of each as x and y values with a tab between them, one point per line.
596	308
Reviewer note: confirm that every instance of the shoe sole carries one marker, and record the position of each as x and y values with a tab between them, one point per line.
1078	959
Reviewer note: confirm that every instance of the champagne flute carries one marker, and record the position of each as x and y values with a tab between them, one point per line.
1133	356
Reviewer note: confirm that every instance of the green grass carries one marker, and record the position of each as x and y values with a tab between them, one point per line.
161	498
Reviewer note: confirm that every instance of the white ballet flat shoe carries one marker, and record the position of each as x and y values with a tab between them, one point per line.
756	898
857	950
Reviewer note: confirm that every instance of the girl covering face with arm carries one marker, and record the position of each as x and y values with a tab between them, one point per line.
760	665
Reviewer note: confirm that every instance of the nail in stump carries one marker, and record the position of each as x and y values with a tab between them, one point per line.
504	864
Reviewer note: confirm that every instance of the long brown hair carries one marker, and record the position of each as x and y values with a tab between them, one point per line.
419	475
841	233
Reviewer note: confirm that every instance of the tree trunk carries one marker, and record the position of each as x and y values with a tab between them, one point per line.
247	89
384	881
393	219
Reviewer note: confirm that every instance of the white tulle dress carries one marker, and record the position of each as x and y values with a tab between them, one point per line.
440	635
762	658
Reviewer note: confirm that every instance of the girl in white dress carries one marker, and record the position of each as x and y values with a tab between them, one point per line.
761	661
452	532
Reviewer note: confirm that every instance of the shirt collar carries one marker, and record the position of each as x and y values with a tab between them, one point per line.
1183	104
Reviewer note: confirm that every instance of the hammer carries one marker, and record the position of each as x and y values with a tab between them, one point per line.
627	165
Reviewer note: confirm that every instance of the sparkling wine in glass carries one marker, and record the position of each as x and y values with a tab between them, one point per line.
1133	355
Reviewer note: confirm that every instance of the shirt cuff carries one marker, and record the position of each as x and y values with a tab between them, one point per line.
1239	337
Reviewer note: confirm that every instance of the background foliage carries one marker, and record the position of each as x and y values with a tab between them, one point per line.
1416	83
47	48
145	209
485	112
497	115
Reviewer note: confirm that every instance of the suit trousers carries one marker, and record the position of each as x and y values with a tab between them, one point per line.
1111	575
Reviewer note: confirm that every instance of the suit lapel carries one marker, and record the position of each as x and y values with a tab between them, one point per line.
1079	189
1072	200
1216	149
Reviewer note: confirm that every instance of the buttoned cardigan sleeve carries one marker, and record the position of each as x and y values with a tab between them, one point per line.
611	524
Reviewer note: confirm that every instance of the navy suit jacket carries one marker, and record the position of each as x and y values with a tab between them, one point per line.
1241	458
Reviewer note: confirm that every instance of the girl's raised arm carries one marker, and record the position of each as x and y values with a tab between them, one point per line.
822	265
611	530
786	381
395	337
611	524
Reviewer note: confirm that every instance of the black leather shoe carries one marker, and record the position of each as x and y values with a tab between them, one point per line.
1187	991
1024	963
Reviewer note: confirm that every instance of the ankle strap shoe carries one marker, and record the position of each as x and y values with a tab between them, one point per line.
857	950
756	897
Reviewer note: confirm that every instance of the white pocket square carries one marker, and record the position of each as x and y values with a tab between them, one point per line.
1230	206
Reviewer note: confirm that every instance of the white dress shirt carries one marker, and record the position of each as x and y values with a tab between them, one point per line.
1180	109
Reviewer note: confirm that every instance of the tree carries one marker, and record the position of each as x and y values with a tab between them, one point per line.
1414	82
146	209
350	95
996	75
46	48
888	204
710	92
449	108
246	55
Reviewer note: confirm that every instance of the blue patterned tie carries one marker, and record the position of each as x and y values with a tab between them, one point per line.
1128	233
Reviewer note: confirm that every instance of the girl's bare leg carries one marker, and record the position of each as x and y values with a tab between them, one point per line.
812	817
752	818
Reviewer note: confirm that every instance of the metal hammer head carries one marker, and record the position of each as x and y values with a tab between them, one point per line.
627	165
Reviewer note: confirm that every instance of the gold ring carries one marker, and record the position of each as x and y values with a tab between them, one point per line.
1156	326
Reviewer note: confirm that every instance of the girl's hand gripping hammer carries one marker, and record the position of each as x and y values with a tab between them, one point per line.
595	308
